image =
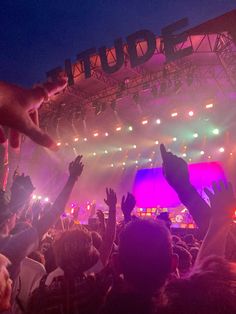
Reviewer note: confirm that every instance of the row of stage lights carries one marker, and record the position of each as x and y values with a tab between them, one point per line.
40	198
143	122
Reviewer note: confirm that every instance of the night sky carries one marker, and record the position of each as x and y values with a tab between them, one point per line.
37	36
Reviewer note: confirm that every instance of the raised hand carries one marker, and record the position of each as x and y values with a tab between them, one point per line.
175	169
76	168
127	205
18	111
21	190
222	201
111	199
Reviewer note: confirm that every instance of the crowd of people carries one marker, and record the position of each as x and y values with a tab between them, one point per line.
135	265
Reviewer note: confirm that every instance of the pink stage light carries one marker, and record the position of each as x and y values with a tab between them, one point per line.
152	190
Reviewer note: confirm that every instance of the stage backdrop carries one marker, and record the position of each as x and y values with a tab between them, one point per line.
152	190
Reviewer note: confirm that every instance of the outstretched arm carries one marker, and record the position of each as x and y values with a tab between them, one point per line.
75	170
110	232
175	170
223	204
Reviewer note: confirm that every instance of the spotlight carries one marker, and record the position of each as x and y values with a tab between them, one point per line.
118	128
123	163
202	152
174	114
145	122
112	165
130	128
136	161
94	154
58	143
34	197
120	149
156	142
95	134
46	199
191	113
216	131
85	139
105	151
184	155
208	106
39	197
158	121
149	159
174	139
134	146
221	149
76	139
106	134
195	135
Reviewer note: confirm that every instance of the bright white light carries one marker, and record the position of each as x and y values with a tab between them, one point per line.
174	139
145	122
134	146
191	113
105	151
184	155
112	165
156	142
106	134
136	161
95	134
216	131
130	128
118	128
58	143
209	106
120	149
221	150
195	135
158	121
94	154
150	159
34	197
76	139
46	199
174	114
39	197
202	152
123	163
85	139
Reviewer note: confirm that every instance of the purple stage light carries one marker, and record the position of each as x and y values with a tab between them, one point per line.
152	190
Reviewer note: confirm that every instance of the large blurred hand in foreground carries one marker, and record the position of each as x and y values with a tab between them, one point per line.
175	169
19	111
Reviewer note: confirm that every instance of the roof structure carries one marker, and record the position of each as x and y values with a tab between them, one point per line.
117	119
